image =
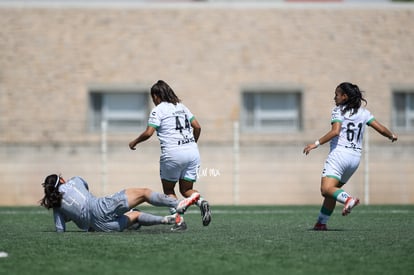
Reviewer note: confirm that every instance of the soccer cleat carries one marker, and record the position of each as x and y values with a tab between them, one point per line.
171	219
187	202
205	213
349	204
320	227
135	226
180	224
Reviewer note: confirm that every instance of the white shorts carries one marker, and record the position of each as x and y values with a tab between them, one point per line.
341	165
182	163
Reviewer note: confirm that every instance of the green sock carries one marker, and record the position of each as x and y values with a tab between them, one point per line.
341	196
324	215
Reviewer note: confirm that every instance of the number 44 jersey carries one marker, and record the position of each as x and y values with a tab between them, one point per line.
173	125
352	128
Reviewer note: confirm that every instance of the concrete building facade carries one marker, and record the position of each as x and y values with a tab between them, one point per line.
62	66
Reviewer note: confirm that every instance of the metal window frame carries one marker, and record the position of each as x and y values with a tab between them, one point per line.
111	117
257	92
408	93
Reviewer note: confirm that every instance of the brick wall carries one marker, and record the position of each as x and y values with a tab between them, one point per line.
49	56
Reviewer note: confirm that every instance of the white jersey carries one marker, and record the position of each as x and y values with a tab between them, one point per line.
173	125
352	129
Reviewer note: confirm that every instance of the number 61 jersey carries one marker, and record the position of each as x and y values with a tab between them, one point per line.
173	125
352	128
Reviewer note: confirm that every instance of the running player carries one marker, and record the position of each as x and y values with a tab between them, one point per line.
347	129
178	132
72	201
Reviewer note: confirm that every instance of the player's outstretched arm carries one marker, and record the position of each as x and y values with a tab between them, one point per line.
142	137
60	223
383	130
335	130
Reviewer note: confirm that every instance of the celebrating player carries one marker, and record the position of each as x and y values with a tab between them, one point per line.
347	129
72	201
178	132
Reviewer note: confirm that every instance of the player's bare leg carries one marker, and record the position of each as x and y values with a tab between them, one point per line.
331	187
328	187
186	189
169	189
137	196
327	209
332	192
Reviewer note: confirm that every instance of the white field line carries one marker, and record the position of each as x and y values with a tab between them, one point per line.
159	210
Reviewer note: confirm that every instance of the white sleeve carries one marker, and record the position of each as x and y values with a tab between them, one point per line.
370	117
154	118
336	115
190	115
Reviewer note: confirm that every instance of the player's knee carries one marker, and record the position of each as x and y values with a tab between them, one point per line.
169	191
146	190
186	192
324	191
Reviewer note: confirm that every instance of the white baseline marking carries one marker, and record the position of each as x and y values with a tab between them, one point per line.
160	210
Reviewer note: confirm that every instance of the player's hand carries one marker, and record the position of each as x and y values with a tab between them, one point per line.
308	148
132	145
394	138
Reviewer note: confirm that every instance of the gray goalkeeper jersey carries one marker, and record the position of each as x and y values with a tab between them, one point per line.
90	212
75	204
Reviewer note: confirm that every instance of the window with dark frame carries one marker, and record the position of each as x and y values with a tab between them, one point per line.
403	109
123	110
271	110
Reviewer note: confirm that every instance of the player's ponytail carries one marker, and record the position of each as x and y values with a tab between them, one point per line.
52	197
355	97
164	92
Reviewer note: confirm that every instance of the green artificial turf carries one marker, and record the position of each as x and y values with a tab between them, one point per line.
240	240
